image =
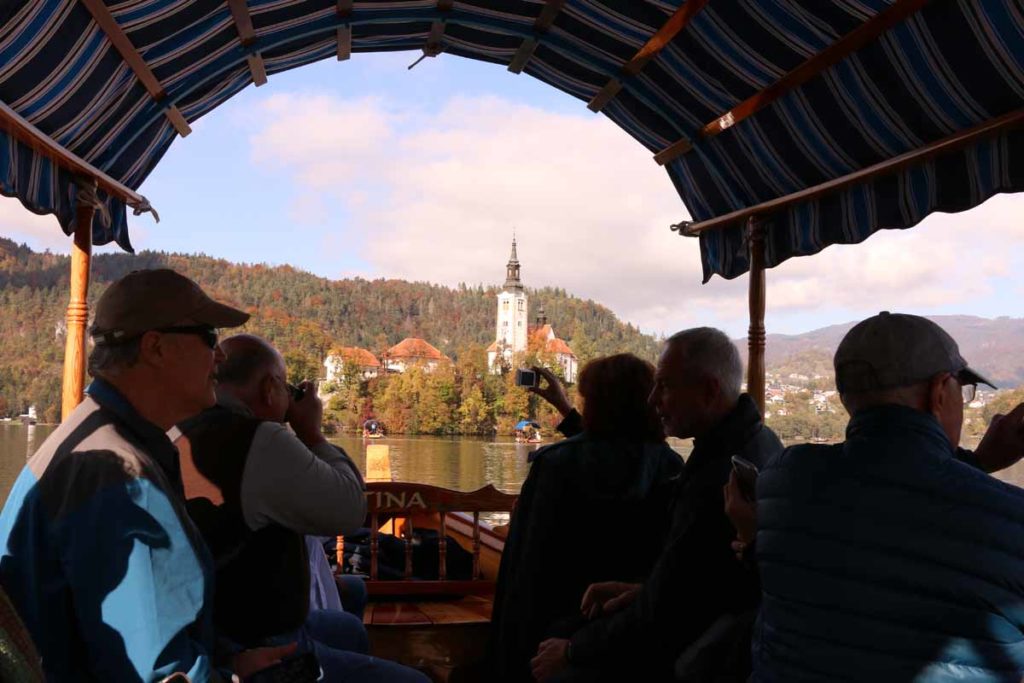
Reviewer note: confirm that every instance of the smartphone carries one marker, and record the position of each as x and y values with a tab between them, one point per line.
296	392
302	668
746	476
526	378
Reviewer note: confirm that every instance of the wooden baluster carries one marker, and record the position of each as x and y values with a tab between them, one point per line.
339	553
77	315
407	533
756	334
442	546
373	546
476	546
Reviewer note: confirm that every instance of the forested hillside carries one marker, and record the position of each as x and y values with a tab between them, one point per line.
301	313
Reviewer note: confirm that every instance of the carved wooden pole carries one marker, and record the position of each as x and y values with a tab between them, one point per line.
78	308
756	332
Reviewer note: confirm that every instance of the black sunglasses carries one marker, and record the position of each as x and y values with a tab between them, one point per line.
205	332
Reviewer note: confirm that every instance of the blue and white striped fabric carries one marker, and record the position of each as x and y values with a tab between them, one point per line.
952	65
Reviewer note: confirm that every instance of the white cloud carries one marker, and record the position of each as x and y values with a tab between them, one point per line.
44	232
435	195
39	232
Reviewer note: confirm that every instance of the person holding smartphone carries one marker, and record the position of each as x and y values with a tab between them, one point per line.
614	474
741	505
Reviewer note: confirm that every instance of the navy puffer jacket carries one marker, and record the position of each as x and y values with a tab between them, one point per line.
885	558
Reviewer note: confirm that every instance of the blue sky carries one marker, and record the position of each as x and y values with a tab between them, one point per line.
366	168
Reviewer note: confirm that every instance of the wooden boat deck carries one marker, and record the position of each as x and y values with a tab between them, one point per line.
470	609
446	639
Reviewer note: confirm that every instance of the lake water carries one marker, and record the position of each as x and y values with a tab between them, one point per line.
460	463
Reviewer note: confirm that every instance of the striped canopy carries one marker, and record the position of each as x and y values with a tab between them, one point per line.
743	101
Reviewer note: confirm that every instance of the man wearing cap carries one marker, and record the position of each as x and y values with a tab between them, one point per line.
894	556
98	554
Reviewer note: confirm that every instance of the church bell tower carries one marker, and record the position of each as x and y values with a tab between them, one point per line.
512	328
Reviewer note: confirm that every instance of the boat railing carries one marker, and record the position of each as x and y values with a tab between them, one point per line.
397	508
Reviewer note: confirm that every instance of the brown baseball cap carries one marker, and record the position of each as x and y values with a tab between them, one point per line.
892	350
146	300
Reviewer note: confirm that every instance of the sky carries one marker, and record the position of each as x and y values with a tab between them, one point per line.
365	168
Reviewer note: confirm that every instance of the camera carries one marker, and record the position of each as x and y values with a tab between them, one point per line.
296	392
526	378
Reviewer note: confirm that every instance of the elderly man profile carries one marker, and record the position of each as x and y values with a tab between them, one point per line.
255	488
894	556
99	555
639	630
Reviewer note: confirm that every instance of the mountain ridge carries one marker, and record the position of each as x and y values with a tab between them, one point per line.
993	346
305	315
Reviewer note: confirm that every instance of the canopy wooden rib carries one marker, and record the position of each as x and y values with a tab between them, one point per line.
344	31
105	20
922	154
541	25
247	36
662	37
65	158
434	46
847	45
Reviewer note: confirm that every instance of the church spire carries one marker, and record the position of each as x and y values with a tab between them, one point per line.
512	280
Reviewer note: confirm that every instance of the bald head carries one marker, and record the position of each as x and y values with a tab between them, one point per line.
254	373
248	358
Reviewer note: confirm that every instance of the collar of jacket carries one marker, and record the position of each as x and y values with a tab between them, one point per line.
729	435
889	421
154	440
232	403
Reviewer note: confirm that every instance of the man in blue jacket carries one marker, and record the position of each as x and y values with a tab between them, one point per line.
98	555
893	556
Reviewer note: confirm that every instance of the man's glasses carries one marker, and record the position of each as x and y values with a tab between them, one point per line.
969	391
205	332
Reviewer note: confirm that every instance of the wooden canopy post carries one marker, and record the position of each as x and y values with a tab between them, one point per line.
756	332
78	307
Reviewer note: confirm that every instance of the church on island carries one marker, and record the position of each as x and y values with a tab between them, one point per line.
515	337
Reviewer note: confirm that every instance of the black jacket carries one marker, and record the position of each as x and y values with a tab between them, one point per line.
697	579
262	580
590	510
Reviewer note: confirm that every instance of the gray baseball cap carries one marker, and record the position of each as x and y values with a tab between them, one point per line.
146	300
896	349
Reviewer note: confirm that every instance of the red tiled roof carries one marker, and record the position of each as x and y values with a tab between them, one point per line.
558	346
493	346
354	354
541	333
412	347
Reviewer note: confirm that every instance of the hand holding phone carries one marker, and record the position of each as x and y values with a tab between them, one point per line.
526	378
746	477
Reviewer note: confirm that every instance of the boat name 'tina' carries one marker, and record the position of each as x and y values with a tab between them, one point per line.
386	499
